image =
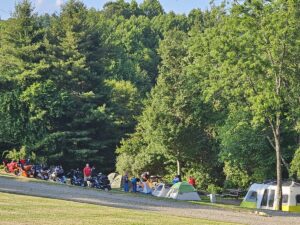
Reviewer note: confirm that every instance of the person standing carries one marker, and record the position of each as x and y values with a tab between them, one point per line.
87	171
192	181
126	182
134	183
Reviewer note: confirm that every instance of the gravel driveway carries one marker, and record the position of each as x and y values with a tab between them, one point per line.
45	189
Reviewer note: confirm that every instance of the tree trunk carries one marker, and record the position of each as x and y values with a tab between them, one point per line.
278	200
282	159
178	167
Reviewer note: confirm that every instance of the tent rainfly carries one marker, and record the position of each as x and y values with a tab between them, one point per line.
183	191
262	196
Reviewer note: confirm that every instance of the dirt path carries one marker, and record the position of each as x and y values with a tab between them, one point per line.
43	189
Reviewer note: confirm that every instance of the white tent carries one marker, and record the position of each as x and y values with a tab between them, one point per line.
262	196
161	190
183	191
115	180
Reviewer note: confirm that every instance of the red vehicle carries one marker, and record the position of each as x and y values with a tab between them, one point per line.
26	171
12	167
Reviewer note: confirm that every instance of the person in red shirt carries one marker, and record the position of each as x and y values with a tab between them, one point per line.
22	162
87	171
192	181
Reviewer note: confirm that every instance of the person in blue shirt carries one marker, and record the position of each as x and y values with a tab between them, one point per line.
176	179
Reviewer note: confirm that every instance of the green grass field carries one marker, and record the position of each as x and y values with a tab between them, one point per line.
20	209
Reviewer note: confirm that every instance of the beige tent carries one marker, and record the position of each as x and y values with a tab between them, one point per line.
115	180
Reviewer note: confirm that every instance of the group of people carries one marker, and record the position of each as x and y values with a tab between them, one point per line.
138	185
144	185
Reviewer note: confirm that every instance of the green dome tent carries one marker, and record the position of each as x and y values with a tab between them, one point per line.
183	191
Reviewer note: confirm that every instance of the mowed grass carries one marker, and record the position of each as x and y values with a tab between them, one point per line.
20	209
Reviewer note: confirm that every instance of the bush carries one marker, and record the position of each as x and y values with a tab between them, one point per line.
21	154
213	189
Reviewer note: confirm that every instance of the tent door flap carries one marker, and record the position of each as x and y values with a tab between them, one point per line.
268	199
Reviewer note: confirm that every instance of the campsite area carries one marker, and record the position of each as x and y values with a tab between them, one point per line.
150	112
22	195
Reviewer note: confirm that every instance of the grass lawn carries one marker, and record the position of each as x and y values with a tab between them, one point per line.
20	209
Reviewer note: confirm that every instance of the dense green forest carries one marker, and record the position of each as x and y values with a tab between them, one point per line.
213	94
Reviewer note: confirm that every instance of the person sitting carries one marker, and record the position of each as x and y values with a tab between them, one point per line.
176	179
145	187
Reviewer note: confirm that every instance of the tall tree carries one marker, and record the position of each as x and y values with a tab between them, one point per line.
172	124
253	60
21	65
151	8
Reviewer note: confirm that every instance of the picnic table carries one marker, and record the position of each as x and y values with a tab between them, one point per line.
234	193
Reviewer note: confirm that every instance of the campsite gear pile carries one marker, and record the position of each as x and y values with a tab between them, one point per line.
262	196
